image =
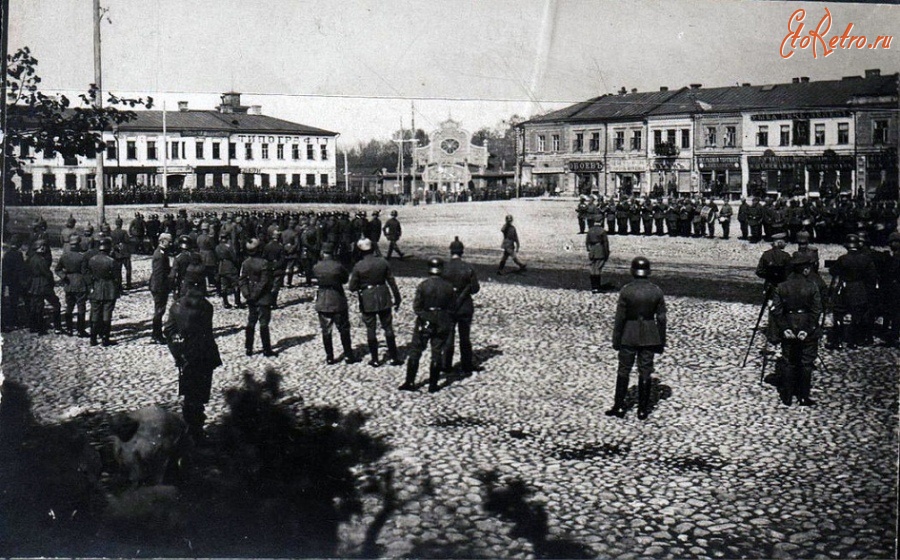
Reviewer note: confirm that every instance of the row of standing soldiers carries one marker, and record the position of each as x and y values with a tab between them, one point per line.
677	217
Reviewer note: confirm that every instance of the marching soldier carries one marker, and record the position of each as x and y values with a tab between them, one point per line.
773	263
393	231
796	308
639	332
464	280
189	332
70	268
121	251
373	279
160	285
40	288
597	244
510	246
229	267
206	248
256	286
434	299
106	279
331	304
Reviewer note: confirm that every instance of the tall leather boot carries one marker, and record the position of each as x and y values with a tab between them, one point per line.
95	332
249	335
412	367
106	329
237	300
393	355
329	349
373	352
69	329
156	336
80	326
349	355
57	321
266	338
618	409
225	303
643	398
595	284
434	374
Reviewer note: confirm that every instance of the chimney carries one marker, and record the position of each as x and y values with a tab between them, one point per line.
623	91
873	73
230	102
795	80
633	90
182	105
696	86
804	79
255	110
745	84
663	88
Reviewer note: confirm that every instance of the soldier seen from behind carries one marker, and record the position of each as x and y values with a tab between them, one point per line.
160	285
105	281
510	246
121	251
256	284
773	264
229	267
464	280
331	304
40	289
70	269
433	302
639	332
856	278
372	278
15	282
597	245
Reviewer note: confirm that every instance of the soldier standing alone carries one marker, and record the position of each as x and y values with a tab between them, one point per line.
256	286
393	231
510	246
597	244
160	285
462	276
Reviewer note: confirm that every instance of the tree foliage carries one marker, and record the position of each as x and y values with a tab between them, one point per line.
37	122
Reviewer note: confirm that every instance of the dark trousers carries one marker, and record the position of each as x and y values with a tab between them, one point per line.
582	224
635	226
627	357
801	357
711	228
261	314
370	320
36	308
341	320
102	310
76	300
726	228
611	225
392	247
159	309
464	325
756	233
745	228
423	333
9	312
622	226
660	230
507	253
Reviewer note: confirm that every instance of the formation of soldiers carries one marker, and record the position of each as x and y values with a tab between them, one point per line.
825	220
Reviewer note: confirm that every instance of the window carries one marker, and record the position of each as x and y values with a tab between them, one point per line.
198	150
730	134
48	181
264	178
295	152
657	138
173	151
131	149
541	143
619	142
217	150
71	182
295	180
820	135
248	150
711	136
323	179
843	133
595	141
232	150
24	149
637	139
801	133
310	153
310	180
27	182
686	139
670	137
579	142
762	136
151	150
880	133
555	140
279	151
111	151
785	138
280	178
70	160
265	151
323	149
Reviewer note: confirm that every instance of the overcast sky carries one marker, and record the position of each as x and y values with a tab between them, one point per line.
354	66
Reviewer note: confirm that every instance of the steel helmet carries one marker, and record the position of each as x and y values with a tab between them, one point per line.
640	267
105	244
435	265
185	242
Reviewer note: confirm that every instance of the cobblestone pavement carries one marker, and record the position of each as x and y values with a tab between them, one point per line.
720	469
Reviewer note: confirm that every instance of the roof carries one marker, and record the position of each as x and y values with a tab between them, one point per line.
608	107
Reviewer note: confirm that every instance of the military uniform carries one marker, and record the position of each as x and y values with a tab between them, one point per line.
331	305
256	286
105	282
206	248
15	285
393	231
70	268
274	253
857	277
725	214
160	286
373	279
754	221
464	280
510	245
773	266
121	252
581	212
435	297
228	272
40	289
597	245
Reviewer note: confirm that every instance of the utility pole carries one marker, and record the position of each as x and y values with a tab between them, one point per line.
346	172
412	163
4	47
98	103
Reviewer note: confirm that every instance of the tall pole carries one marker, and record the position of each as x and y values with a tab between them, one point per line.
165	150
400	170
412	163
346	172
98	103
4	47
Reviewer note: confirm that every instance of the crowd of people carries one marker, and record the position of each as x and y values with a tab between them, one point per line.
825	220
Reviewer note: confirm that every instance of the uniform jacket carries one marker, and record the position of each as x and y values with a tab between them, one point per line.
640	316
857	277
228	260
256	280
392	229
465	284
754	215
373	279
69	269
106	278
179	268
160	269
373	230
434	301
15	274
726	211
331	276
121	249
510	237
597	243
191	320
207	250
797	305
773	265
274	253
41	279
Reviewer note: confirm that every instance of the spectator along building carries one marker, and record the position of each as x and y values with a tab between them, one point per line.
232	146
806	138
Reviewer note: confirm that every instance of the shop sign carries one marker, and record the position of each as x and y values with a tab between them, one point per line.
254	170
801	115
719	162
824	163
627	166
671	165
585	166
882	160
175	169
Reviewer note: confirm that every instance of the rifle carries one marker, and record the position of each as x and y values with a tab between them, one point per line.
762	310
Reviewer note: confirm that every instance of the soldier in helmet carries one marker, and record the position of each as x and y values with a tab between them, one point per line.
40	288
510	246
331	304
639	332
183	259
256	283
137	229
373	279
856	277
581	211
373	231
70	268
106	279
273	251
229	267
121	251
891	290
434	300
464	280
206	247
160	285
597	245
65	235
393	231
773	263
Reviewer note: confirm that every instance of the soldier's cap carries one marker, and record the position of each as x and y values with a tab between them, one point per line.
364	245
252	245
165	236
779	237
185	242
393	213
802	237
74	240
435	265
509	218
376	213
456	246
328	248
895	236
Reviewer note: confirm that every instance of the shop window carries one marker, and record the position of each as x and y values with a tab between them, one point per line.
762	136
820	135
729	139
199	150
151	150
880	133
578	146
265	151
541	143
685	139
279	151
555	141
130	150
785	138
595	141
843	136
216	150
249	180
636	140
711	136
111	152
619	142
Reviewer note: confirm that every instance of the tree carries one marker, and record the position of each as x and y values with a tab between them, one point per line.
501	140
37	122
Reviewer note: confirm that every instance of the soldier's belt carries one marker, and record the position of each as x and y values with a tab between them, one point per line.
798	311
370	286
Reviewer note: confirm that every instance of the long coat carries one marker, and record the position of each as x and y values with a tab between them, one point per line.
640	316
160	269
189	330
331	276
256	281
465	284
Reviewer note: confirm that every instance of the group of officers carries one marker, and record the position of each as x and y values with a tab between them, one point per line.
825	220
864	289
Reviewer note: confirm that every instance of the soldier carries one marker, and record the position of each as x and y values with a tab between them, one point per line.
622	217
891	290
121	252
672	213
160	285
659	217
373	231
393	231
331	304
137	230
754	220
256	286
464	280
154	228
857	277
773	263
40	288
711	218
796	308
189	332
207	249
634	217
273	251
183	259
105	282
65	235
311	243
510	246
373	279
647	216
609	210
434	299
597	245
581	211
15	281
725	214
639	332
291	242
70	268
229	267
812	255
